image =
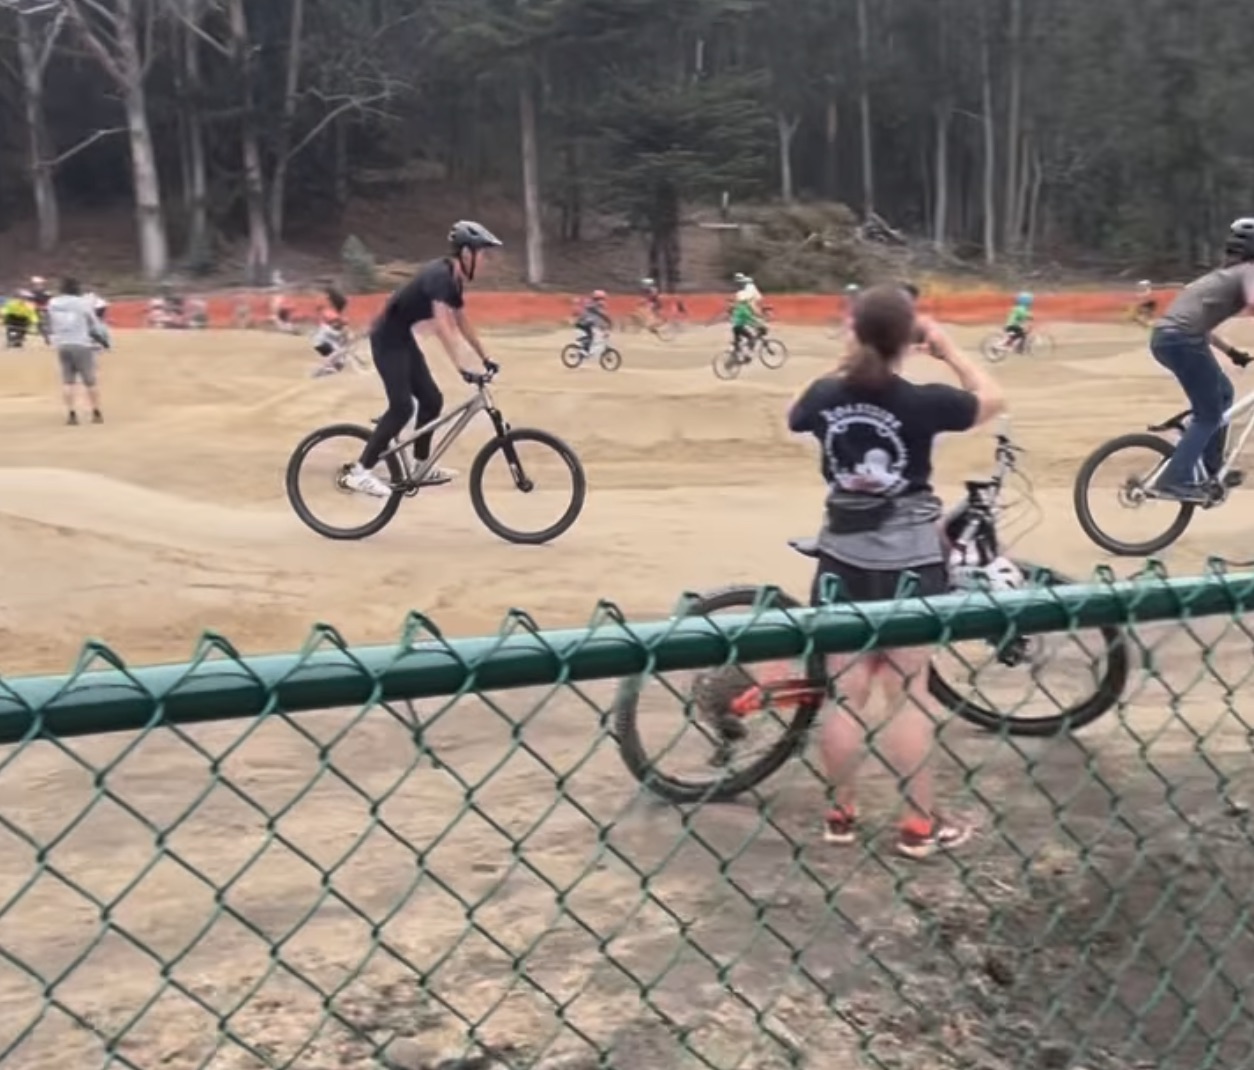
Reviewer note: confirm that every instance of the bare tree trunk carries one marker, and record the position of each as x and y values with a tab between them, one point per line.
990	146
1023	191
196	179
283	139
940	219
531	178
34	61
114	40
254	177
1012	221
1034	202
787	130
831	157
864	108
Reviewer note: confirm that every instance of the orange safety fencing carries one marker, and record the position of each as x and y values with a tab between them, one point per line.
497	309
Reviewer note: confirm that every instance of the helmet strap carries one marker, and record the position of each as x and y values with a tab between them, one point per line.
468	270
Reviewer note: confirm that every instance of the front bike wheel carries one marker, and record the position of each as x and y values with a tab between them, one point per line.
710	733
1170	519
772	353
1040	344
316	486
727	365
531	466
994	349
572	355
666	331
1091	673
611	359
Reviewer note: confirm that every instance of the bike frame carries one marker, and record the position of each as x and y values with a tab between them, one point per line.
459	417
1242	407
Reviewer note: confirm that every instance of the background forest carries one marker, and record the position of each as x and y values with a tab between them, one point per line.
1008	135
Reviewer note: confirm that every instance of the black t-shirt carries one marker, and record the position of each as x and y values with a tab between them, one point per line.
879	442
413	302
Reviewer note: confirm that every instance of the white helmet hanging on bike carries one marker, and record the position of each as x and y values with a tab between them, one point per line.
1000	574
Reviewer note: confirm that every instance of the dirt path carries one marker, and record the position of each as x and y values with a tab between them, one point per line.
170	519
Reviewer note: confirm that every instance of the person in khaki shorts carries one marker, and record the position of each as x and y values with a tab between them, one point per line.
77	335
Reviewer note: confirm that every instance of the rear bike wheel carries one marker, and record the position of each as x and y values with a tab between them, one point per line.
533	475
710	727
611	359
572	355
1100	670
727	365
346	441
772	353
1171	518
993	348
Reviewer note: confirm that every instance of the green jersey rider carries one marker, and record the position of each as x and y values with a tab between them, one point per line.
746	316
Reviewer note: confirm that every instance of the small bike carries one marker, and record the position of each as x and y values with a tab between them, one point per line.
1036	343
725	707
537	480
1142	456
770	351
574	354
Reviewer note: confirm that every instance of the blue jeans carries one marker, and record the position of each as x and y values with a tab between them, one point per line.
1189	358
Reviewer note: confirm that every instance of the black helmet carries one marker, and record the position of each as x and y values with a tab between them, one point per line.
1240	243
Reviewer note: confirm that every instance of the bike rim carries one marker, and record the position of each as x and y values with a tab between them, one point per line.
1118	503
320	485
528	487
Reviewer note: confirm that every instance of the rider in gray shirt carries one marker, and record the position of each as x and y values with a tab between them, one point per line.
1181	342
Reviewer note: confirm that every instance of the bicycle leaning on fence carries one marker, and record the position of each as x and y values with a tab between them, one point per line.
723	707
406	474
1135	490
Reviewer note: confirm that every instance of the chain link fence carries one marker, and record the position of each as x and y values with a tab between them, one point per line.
433	856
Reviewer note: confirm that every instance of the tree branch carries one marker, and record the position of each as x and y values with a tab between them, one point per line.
91	139
354	104
49	42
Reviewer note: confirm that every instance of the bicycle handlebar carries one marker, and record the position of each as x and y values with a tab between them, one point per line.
490	370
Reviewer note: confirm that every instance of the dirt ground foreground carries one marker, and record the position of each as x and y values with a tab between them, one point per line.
333	889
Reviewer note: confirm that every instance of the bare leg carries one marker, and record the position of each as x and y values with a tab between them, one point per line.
908	730
842	742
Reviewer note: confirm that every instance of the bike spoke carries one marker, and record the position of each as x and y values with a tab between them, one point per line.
527	486
1117	498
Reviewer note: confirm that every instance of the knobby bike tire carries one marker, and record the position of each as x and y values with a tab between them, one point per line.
1080	498
506	442
1111	685
991	351
624	711
725	367
300	507
611	359
772	353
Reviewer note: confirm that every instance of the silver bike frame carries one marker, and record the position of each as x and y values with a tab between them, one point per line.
459	417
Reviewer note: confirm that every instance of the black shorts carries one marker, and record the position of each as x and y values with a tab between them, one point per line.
324	349
875	585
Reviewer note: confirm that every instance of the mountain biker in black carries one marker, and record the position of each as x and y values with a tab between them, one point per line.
435	294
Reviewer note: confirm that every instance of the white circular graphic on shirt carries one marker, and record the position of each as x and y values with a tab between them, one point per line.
865	451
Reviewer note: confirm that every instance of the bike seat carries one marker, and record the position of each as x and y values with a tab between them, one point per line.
1176	423
805	547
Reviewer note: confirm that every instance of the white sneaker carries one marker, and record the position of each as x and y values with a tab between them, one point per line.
437	477
364	482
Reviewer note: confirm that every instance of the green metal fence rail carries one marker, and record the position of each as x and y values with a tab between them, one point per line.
283	862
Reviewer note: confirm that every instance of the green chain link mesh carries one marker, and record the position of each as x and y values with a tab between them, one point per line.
281	862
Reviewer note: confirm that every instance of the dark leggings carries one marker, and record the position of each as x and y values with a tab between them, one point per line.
403	369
